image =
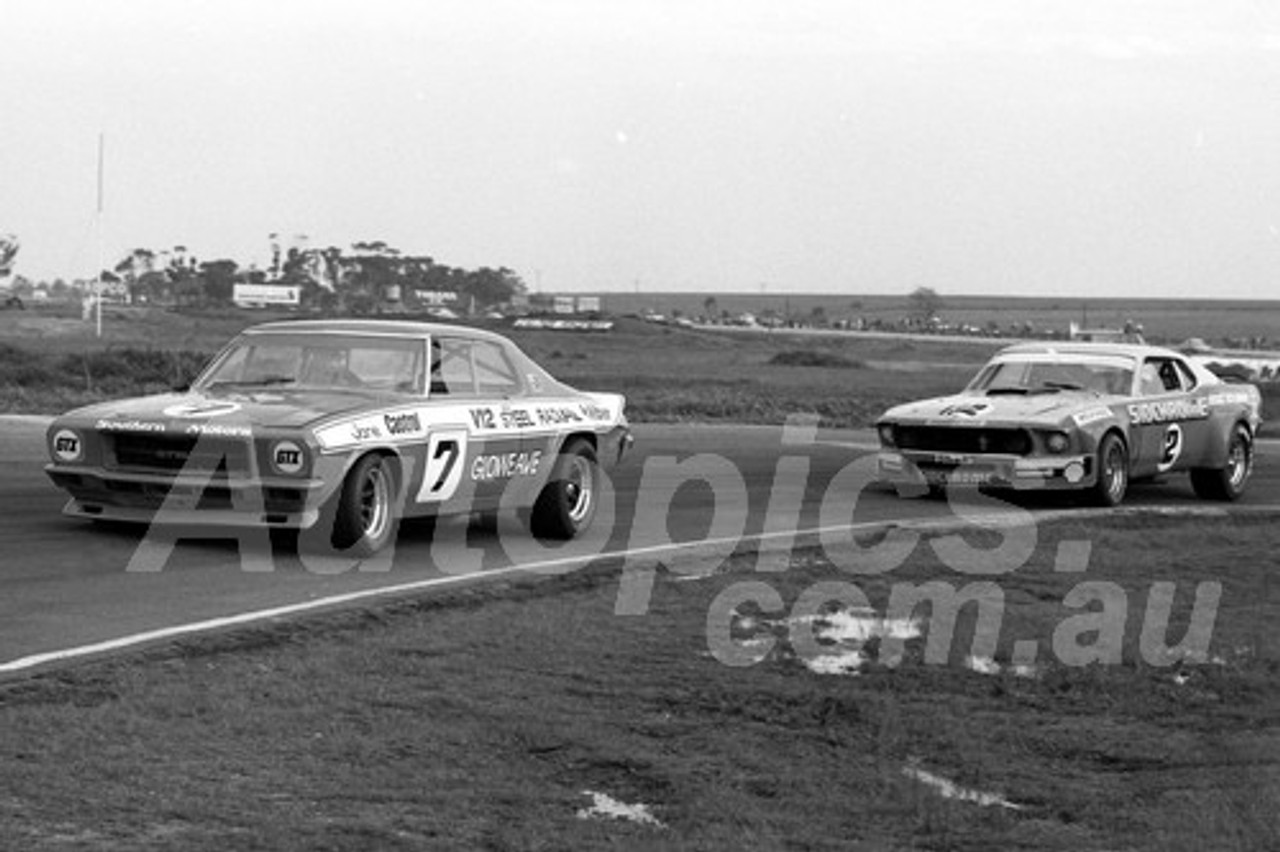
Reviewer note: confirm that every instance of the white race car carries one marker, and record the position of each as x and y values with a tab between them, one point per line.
1078	416
351	424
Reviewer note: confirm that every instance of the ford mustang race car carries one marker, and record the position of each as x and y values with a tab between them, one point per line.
1078	416
350	425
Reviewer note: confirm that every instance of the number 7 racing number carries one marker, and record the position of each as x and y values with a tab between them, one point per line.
443	472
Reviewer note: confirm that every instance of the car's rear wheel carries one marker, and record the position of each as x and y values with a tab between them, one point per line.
1113	472
1227	482
567	503
365	519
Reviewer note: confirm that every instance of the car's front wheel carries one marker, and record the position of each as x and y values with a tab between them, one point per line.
1227	482
567	503
365	519
1113	472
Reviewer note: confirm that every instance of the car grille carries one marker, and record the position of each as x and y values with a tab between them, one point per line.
962	439
176	453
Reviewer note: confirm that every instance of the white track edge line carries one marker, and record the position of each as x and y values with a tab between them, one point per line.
1011	518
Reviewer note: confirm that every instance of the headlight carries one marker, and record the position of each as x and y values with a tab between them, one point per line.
288	457
1057	442
66	445
886	434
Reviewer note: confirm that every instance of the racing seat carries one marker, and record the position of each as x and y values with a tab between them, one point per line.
438	384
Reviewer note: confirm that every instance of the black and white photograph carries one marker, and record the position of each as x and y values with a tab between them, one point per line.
640	424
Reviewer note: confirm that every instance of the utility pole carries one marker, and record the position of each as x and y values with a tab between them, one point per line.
97	297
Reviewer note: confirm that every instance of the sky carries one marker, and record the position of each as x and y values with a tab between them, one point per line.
1018	147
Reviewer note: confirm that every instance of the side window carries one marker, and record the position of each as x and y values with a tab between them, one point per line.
1149	381
1160	376
451	371
494	374
388	369
1188	378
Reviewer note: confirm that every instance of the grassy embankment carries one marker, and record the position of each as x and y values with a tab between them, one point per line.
481	720
50	364
667	373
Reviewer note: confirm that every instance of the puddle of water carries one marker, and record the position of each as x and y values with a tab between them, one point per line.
606	807
988	666
982	665
851	629
847	663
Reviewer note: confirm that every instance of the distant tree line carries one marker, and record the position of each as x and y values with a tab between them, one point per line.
371	277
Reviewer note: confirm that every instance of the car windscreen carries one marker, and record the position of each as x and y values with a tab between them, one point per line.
319	361
1108	376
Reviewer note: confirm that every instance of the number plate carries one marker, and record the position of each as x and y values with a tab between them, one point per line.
181	499
958	477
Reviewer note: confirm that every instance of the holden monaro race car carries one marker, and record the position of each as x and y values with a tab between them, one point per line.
1078	416
349	425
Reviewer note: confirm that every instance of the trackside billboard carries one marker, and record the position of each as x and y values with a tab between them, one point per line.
261	295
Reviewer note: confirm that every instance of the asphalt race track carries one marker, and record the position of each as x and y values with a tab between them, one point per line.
66	584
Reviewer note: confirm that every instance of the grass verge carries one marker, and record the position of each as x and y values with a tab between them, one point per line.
667	374
480	719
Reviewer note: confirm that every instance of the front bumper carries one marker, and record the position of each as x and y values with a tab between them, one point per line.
1021	473
188	500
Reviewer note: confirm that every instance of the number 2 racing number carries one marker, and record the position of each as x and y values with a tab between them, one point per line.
1171	447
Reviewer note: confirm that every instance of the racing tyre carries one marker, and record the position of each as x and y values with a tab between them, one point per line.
1113	472
365	520
567	502
1227	482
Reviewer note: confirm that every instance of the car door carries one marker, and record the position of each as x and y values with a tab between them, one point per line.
514	460
477	445
442	486
1167	417
1195	421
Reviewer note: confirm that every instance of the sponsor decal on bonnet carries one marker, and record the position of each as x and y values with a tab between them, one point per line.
1091	415
129	426
218	430
205	408
966	408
